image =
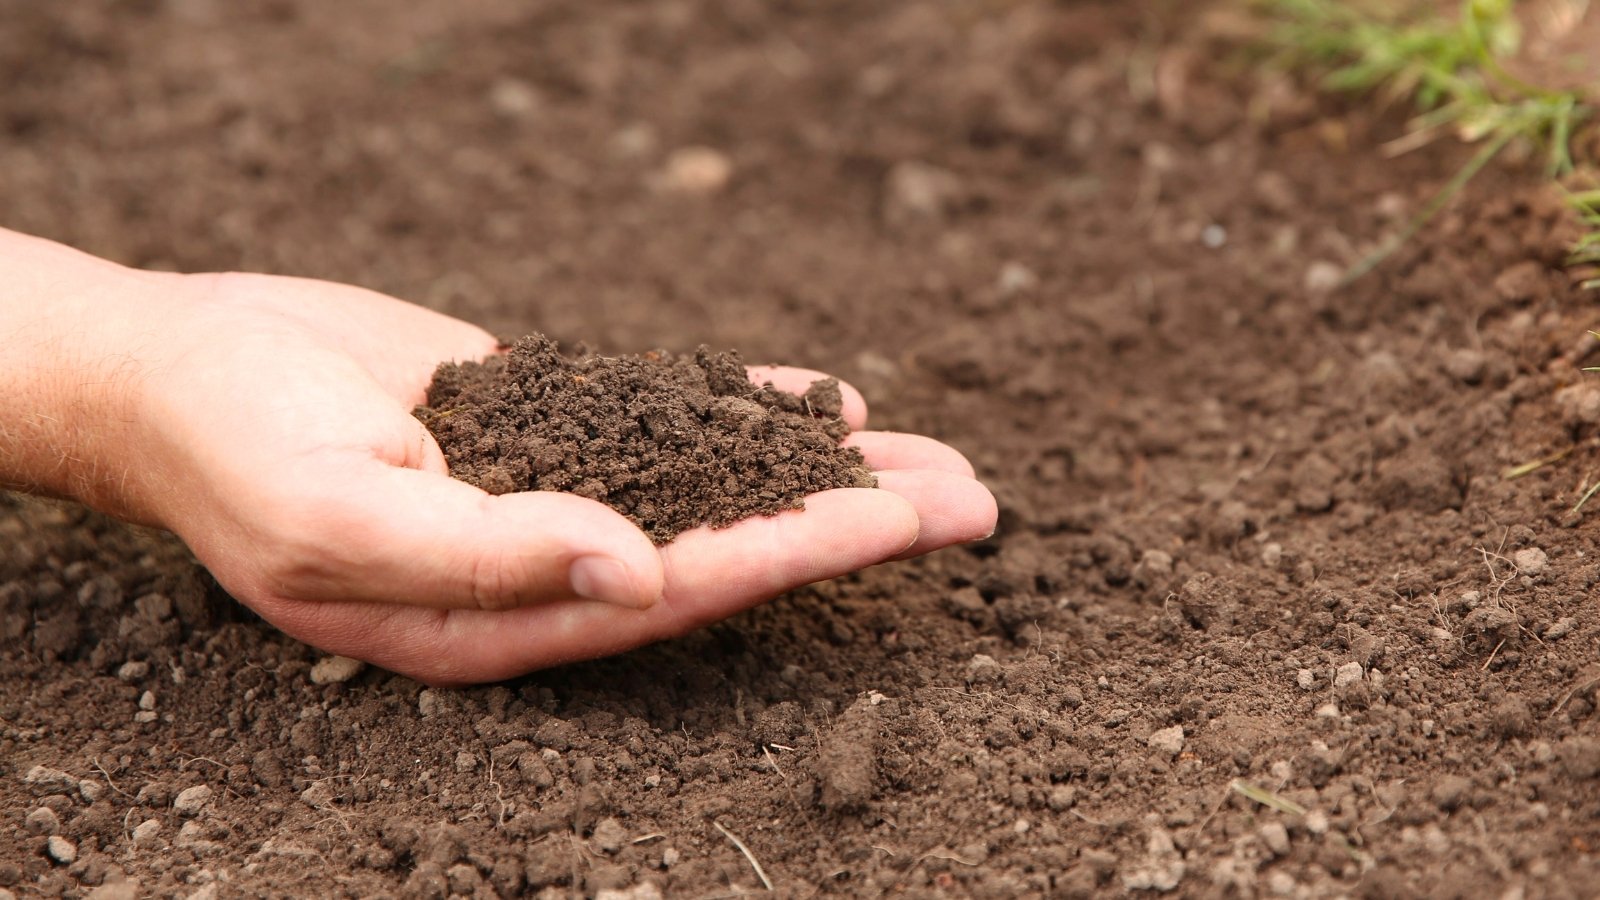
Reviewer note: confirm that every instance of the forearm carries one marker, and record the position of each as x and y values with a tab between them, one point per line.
74	336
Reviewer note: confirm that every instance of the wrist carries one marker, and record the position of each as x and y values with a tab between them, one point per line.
78	337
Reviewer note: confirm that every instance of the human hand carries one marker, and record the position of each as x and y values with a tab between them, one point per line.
275	437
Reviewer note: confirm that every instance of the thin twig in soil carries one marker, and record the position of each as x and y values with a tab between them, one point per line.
499	795
793	799
1576	689
948	857
1269	799
1528	468
109	780
1492	654
754	863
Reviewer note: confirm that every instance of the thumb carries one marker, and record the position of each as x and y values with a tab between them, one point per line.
387	534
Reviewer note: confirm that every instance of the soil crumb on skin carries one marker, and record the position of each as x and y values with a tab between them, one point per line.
672	442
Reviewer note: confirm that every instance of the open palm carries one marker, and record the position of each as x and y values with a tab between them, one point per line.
286	456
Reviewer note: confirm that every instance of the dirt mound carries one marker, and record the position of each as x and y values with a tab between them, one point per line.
671	442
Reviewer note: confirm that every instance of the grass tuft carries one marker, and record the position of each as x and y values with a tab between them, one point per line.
1453	70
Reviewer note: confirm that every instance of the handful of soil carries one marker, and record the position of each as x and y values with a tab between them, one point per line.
671	442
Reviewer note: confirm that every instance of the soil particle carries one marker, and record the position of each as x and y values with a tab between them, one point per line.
847	762
192	801
61	850
672	442
335	670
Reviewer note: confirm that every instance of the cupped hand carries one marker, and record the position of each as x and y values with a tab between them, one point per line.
282	449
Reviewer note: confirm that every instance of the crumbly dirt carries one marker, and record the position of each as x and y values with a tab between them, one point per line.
1254	532
671	442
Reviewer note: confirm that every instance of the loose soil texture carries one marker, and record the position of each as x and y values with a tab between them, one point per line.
1254	531
670	442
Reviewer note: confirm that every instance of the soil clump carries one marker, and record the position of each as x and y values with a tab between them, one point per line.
670	441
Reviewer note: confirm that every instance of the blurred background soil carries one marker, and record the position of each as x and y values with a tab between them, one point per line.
1254	530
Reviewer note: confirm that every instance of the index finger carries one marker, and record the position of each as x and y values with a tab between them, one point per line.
797	380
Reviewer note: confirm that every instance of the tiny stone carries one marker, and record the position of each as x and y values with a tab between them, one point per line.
1323	276
430	703
145	716
696	170
43	821
1530	561
1327	711
670	857
917	191
1306	678
145	834
1021	826
335	670
465	761
190	801
1272	554
1347	674
147	700
1466	365
513	98
1213	236
1015	278
1281	883
1560	628
90	790
1317	822
983	669
61	850
1276	837
1427	728
609	836
1167	740
133	670
49	781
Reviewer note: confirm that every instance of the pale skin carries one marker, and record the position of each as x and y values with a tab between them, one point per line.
267	422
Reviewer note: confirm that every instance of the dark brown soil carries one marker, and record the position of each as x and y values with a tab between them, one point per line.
671	442
1253	531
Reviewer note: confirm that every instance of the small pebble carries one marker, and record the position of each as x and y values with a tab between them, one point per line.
1327	711
1214	237
1167	740
513	98
190	801
1347	674
90	790
336	670
609	836
1015	278
145	716
1306	679
147	700
1276	837
145	834
1560	628
1530	561
430	703
465	761
1317	822
61	850
1323	276
696	170
43	821
133	670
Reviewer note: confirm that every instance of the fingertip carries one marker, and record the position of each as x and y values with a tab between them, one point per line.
951	509
895	450
610	559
